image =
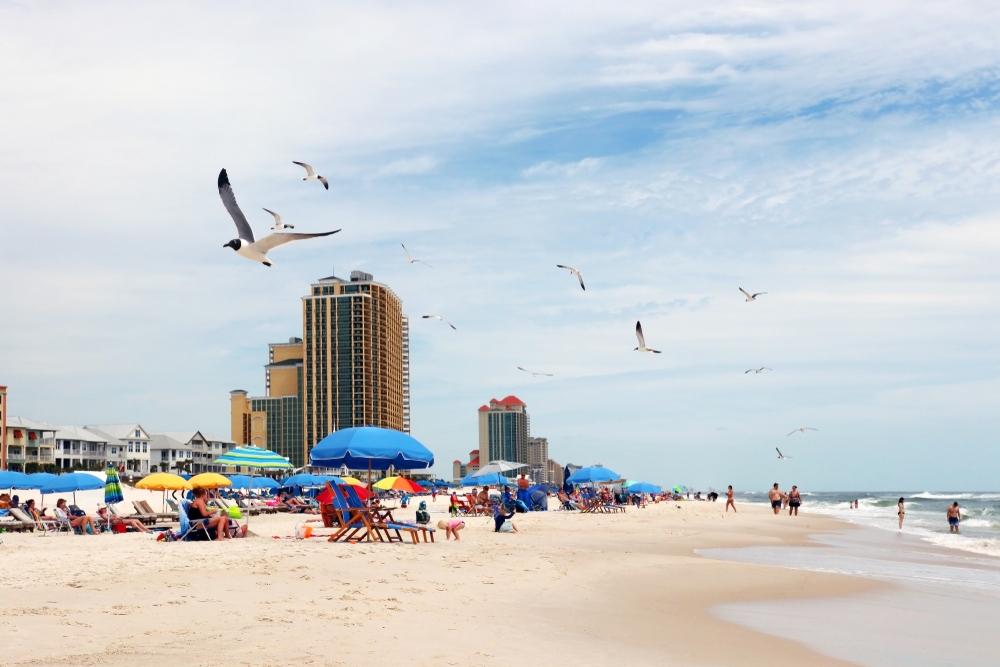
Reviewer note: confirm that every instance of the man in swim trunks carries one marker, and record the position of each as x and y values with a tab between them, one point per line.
775	496
794	500
729	499
954	517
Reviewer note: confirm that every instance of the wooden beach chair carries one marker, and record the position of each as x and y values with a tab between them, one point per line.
167	516
384	520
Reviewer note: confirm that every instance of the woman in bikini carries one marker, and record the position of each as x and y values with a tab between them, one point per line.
901	512
794	500
729	499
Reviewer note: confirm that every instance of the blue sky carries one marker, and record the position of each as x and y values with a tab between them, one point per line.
842	158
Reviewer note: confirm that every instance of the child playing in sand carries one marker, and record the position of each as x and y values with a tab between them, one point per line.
451	528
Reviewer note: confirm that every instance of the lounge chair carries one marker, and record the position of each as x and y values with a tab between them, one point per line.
382	518
167	516
21	521
45	524
148	518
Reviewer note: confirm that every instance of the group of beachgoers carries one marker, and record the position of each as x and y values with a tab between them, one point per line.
70	516
781	500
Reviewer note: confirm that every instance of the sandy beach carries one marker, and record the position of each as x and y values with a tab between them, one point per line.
584	588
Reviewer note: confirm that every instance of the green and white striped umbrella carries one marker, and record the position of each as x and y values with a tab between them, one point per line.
253	457
112	487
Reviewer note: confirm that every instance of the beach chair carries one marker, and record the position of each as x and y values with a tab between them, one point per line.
46	525
384	520
148	518
193	531
22	519
14	524
167	516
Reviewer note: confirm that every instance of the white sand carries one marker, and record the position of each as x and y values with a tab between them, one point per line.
572	589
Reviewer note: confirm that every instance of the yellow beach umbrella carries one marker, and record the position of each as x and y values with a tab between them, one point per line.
163	481
210	480
352	481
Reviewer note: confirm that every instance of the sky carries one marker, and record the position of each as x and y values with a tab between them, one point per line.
842	157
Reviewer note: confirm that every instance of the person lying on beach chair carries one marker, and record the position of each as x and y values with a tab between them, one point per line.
134	524
566	503
296	507
77	520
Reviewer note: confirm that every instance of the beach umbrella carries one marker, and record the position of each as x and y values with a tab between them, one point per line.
352	481
679	489
71	483
210	480
40	479
307	480
642	487
112	488
629	482
371	446
474	479
255	458
11	479
444	484
498	466
249	482
398	484
592	475
567	485
163	481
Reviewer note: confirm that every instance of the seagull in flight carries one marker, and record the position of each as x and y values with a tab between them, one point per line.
780	455
311	175
410	260
278	224
758	370
642	341
575	273
533	373
245	245
438	317
803	430
751	297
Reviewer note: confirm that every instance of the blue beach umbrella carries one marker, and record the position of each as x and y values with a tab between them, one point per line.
248	482
371	447
593	475
71	483
491	479
643	487
40	479
112	488
11	479
303	479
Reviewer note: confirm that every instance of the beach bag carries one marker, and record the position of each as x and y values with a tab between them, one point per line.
234	513
118	526
423	517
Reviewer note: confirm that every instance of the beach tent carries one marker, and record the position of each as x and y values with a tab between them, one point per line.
539	495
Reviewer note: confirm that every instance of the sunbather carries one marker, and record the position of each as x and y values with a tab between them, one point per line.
135	524
198	511
78	521
566	503
451	528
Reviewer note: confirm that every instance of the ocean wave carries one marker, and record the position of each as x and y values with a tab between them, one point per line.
956	496
973	544
979	523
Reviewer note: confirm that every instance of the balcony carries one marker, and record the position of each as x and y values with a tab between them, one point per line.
40	458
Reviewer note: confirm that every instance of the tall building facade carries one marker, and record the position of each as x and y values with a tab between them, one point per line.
350	368
3	427
538	460
504	427
356	363
460	470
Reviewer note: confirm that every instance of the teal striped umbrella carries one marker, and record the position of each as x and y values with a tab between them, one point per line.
112	488
253	457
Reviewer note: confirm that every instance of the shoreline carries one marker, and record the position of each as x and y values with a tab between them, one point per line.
590	585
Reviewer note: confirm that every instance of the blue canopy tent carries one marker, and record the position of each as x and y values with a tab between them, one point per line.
371	447
642	487
593	475
309	481
539	495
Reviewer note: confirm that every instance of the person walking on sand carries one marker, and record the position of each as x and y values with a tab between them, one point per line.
776	497
729	499
901	512
451	528
794	500
954	517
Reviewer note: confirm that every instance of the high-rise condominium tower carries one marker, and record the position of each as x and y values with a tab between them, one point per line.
503	430
356	365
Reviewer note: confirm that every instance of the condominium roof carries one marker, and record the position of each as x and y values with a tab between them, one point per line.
164	441
120	431
104	435
215	438
29	424
287	363
79	433
183	436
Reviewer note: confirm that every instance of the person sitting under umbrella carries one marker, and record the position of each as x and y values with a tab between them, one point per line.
198	511
81	521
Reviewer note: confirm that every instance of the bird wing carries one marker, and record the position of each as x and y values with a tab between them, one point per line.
745	292
758	294
765	368
810	428
407	253
793	431
580	276
427	317
524	369
309	169
420	261
229	201
277	218
563	266
638	334
654	351
745	372
326	183
779	452
269	243
448	323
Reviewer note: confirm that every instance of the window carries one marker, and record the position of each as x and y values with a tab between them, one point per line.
83	446
137	434
130	446
144	445
114	450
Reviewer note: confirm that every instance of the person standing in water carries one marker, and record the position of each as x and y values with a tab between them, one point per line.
729	499
954	517
901	512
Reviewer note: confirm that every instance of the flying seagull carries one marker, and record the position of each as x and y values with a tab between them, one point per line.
438	317
245	245
642	341
751	297
278	224
804	429
575	273
311	175
780	455
410	260
758	370
533	373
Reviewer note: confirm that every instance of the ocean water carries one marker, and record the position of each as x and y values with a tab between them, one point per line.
925	514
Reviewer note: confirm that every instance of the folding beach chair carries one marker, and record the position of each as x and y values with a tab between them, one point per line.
193	531
383	518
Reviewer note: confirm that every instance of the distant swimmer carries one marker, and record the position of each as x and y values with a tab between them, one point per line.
729	499
901	511
794	500
954	517
775	496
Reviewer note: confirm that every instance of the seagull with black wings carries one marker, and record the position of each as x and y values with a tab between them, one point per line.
245	245
642	341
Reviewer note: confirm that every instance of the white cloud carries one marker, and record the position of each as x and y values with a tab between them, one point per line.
415	165
548	168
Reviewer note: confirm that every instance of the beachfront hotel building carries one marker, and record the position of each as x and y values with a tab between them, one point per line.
351	367
130	440
538	460
504	427
460	470
29	445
